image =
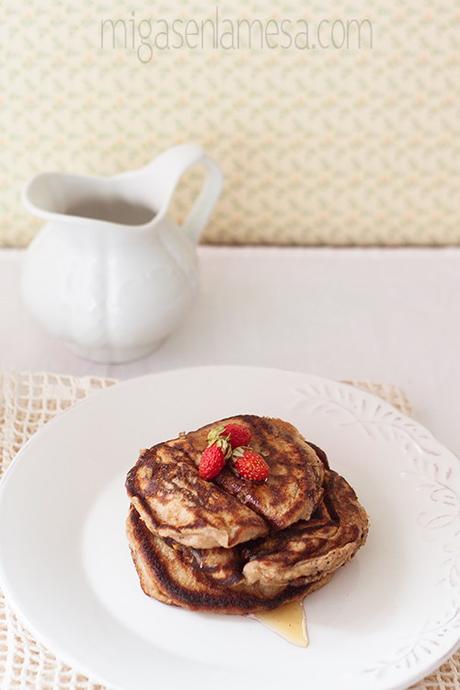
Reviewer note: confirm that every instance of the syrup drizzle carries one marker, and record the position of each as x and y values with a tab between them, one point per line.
288	621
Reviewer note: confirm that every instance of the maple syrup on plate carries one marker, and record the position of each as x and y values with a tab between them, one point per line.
288	621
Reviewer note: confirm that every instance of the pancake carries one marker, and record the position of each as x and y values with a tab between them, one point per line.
174	502
262	574
170	572
322	544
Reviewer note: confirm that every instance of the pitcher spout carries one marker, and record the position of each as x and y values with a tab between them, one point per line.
47	195
80	198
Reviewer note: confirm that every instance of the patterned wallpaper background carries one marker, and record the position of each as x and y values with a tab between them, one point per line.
337	145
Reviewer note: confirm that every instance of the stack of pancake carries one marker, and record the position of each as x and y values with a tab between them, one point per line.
236	546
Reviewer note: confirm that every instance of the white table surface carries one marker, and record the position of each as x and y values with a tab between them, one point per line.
385	315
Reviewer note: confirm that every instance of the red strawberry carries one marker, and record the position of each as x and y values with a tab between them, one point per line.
211	462
238	435
250	465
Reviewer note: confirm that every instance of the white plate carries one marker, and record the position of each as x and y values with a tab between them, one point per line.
387	619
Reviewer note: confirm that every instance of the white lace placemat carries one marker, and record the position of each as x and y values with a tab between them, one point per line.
29	400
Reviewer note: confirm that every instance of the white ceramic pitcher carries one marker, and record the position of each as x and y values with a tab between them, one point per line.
110	273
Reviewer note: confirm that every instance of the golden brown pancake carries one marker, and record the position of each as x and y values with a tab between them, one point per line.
257	575
174	502
322	544
169	572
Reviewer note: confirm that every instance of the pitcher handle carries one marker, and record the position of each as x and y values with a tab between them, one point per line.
174	163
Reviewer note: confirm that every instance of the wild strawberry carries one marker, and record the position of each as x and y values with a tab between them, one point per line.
250	465
237	434
211	462
234	434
